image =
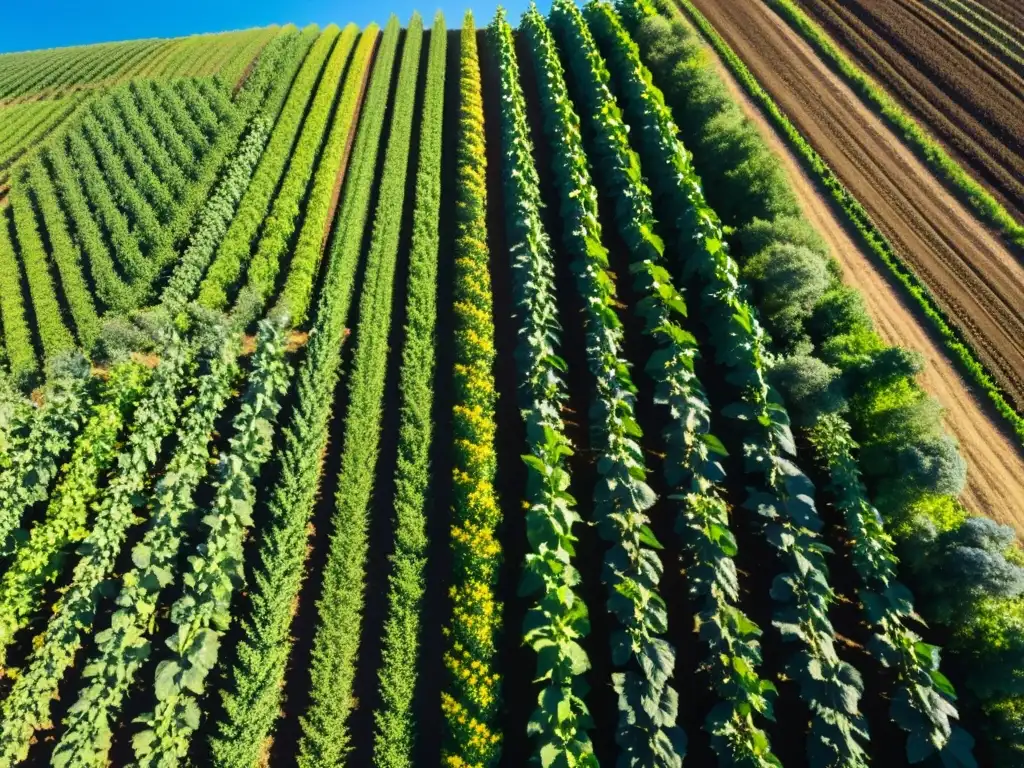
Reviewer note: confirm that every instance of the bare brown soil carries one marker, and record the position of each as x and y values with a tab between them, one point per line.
1010	12
995	476
974	278
970	99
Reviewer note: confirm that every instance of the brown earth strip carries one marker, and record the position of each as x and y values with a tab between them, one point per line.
995	475
1009	12
978	283
970	100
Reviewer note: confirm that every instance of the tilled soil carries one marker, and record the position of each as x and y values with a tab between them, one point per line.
971	100
975	279
995	474
1006	13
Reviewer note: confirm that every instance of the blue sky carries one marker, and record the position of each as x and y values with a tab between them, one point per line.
33	24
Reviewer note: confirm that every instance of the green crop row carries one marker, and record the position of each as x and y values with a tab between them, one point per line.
980	200
297	292
231	69
693	465
396	719
21	357
127	190
137	270
21	143
162	125
28	705
216	217
35	463
123	647
157	157
49	322
149	182
110	289
42	552
622	497
252	703
325	736
236	247
202	614
180	113
278	227
263	94
779	495
470	694
65	254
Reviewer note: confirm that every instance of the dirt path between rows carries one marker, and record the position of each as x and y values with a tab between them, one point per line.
976	280
995	467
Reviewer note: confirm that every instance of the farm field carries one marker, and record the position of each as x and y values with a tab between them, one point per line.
975	278
995	474
968	96
490	396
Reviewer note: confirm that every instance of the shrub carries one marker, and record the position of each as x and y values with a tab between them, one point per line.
791	280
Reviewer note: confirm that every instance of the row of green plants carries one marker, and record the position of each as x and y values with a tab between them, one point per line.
59	69
65	254
205	107
132	263
263	94
123	647
128	114
648	703
154	244
559	620
62	110
180	114
922	697
693	453
54	336
912	468
165	128
20	352
253	698
27	706
296	295
981	201
150	184
470	694
780	496
325	734
236	247
110	289
215	218
395	719
36	461
21	118
872	238
278	228
923	691
231	67
42	553
202	614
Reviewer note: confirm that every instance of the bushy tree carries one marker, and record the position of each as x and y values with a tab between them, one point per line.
934	466
956	569
791	280
884	368
841	310
759	234
810	388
